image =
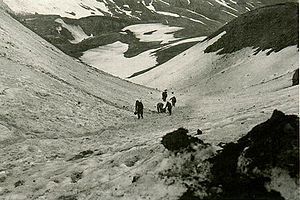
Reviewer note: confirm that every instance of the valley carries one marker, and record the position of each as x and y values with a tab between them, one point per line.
69	83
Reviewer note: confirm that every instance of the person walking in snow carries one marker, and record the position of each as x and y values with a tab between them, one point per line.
169	107
160	108
164	95
173	99
139	109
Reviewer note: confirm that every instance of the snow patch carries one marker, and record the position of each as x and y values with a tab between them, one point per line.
234	2
229	13
168	13
194	20
177	68
210	3
150	6
282	182
164	2
223	3
110	58
76	31
250	4
211	73
201	15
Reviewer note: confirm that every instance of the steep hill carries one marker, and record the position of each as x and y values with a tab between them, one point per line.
45	93
67	130
240	46
79	27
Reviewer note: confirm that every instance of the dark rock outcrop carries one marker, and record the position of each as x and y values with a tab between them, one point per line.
75	176
179	140
242	169
81	155
271	144
295	78
270	28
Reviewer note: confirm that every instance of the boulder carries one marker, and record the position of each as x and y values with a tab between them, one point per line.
295	78
179	140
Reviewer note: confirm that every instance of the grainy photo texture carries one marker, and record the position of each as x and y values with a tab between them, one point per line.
149	100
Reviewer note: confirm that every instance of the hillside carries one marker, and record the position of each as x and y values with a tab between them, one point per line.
270	29
80	27
67	130
237	49
39	82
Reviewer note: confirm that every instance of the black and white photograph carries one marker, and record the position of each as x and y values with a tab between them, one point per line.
149	100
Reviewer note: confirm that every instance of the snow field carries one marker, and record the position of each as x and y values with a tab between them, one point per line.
110	58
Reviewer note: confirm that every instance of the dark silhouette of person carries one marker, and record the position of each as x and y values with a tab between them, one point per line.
160	108
164	95
173	99
169	107
139	109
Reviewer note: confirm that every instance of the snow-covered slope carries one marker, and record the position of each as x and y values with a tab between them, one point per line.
76	26
209	66
67	130
59	92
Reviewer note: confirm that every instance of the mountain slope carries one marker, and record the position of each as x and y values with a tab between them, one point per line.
77	26
45	93
271	28
66	135
239	49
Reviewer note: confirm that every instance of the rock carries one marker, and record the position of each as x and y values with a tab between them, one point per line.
2	176
199	132
131	161
81	155
295	79
76	176
19	183
135	178
178	140
67	197
275	143
243	168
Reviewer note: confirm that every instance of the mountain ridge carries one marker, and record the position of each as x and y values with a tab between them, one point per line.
197	19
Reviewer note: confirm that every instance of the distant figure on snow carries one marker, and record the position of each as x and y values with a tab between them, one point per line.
169	107
160	108
139	107
173	99
164	95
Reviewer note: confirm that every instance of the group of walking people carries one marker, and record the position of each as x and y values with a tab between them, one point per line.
162	107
